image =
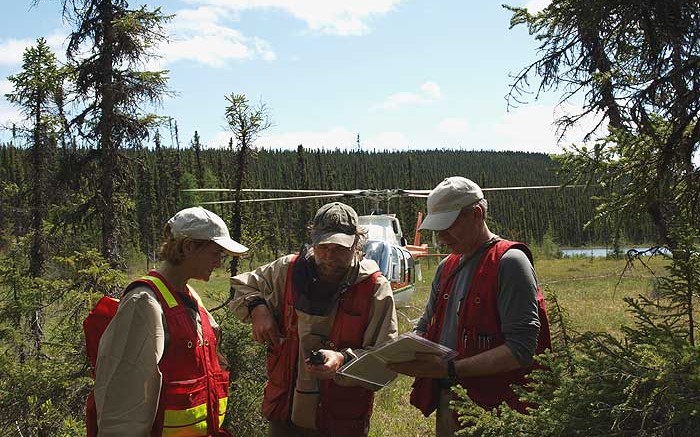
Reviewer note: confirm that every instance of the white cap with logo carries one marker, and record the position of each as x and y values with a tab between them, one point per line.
201	224
447	200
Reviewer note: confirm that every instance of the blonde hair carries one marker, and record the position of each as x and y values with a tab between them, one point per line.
173	249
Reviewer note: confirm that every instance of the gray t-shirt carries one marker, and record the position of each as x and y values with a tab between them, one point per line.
516	300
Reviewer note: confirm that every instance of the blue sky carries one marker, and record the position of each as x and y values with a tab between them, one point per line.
400	73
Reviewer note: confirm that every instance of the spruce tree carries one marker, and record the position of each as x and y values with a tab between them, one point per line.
109	44
35	90
246	122
636	65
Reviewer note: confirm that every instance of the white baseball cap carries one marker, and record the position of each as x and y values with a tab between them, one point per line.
447	200
201	224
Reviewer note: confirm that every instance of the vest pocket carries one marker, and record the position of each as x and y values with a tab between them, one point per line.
185	408
347	403
277	389
221	383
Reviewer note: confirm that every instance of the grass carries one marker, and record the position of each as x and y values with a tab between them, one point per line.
591	291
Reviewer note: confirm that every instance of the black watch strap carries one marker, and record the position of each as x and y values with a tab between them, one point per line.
451	371
255	302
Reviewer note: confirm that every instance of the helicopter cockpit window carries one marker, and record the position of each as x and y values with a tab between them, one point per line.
395	271
377	251
395	227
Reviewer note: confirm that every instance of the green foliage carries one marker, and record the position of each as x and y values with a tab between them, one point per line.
597	384
633	61
35	397
246	122
158	175
45	377
548	248
109	43
39	84
248	376
187	199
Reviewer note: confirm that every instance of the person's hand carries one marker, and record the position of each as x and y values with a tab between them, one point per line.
333	361
425	365
264	326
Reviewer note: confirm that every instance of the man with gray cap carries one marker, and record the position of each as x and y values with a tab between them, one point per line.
315	311
157	365
485	303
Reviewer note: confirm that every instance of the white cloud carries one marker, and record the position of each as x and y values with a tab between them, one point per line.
429	92
339	17
11	50
336	137
8	115
534	6
199	35
387	141
529	128
5	87
453	126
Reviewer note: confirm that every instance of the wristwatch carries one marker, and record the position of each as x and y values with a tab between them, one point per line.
252	303
451	371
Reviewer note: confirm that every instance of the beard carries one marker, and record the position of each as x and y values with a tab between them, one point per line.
330	271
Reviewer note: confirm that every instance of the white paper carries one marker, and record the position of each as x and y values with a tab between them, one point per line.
371	366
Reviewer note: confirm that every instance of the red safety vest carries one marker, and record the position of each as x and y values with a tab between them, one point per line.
194	388
478	330
343	411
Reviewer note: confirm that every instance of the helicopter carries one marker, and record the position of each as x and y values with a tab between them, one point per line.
386	244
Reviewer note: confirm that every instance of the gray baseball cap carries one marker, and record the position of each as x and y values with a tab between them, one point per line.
334	223
447	200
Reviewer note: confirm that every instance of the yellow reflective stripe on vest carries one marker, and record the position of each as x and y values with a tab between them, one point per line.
167	295
197	430
222	410
180	422
189	417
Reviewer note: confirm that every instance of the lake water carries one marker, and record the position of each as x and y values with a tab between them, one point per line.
595	252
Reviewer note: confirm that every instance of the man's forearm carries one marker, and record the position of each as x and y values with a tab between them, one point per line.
491	362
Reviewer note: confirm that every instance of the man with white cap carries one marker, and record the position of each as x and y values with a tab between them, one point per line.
315	311
485	303
158	371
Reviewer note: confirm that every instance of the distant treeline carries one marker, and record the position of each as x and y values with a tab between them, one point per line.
158	174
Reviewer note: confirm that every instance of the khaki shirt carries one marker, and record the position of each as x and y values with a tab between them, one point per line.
127	378
268	282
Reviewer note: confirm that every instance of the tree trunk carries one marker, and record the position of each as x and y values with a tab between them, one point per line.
109	147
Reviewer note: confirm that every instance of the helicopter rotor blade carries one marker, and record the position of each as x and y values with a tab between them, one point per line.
272	190
272	199
425	193
540	187
377	195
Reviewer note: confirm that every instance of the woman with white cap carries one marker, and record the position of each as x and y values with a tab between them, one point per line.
158	371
